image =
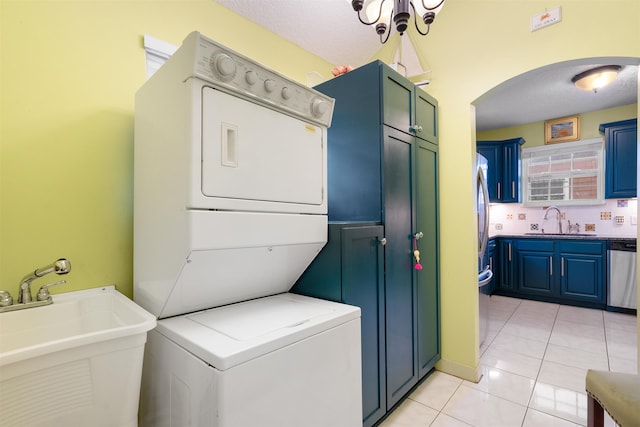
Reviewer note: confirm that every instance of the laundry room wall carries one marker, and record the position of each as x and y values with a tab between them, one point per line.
69	73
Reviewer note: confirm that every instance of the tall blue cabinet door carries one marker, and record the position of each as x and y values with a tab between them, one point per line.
510	172
397	101
427	278
363	286
493	154
400	295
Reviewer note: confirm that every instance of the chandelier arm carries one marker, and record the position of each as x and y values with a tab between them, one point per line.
386	38
375	20
415	19
432	8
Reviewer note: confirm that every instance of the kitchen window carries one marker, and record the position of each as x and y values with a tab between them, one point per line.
564	174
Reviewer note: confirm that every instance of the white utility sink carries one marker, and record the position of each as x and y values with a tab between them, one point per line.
77	361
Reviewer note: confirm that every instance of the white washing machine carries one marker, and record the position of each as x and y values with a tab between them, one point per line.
229	209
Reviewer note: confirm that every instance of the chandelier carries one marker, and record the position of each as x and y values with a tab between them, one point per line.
382	12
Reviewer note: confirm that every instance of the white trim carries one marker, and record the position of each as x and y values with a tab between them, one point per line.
156	53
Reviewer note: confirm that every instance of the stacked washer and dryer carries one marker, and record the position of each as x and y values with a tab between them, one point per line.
230	208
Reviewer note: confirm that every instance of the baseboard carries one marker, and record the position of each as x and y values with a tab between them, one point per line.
469	373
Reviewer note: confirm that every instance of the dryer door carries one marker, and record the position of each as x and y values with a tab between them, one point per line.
253	153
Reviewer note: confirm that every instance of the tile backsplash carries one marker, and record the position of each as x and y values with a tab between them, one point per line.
617	217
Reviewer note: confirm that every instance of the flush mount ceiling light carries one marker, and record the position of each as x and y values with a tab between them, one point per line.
596	78
381	12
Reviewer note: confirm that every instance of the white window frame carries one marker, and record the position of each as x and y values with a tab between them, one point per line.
156	53
564	178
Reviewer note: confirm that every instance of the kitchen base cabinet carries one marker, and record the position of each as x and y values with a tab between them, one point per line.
563	270
535	267
382	168
506	265
583	271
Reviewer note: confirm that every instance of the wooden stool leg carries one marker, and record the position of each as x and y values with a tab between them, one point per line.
595	413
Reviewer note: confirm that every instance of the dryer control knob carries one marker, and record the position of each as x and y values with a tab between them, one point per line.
286	93
269	85
319	107
223	65
251	77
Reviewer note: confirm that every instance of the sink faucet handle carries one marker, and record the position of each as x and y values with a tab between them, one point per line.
43	293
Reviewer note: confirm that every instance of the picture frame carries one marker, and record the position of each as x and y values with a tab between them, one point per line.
562	130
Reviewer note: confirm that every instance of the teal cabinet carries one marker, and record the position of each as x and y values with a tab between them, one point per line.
503	180
507	265
563	270
535	266
491	260
621	149
383	170
582	270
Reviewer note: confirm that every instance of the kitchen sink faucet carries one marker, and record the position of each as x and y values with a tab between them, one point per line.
558	215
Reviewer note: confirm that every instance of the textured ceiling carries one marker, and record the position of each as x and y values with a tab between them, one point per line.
330	29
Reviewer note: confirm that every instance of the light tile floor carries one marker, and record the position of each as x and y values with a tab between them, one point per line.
534	362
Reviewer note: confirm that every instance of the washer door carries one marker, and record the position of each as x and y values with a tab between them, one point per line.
250	152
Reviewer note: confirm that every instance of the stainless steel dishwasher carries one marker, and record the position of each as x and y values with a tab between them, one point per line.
622	288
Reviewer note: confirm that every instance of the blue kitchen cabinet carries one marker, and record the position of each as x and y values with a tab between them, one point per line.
621	148
503	175
491	260
582	270
382	168
506	266
565	271
535	266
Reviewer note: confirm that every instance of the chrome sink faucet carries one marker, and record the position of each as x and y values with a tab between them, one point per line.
558	216
61	266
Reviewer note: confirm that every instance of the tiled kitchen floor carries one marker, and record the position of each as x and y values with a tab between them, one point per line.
534	363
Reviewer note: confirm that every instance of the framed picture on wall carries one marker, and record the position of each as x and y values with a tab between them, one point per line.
562	130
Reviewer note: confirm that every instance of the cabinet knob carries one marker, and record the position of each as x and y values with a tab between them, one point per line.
382	241
415	128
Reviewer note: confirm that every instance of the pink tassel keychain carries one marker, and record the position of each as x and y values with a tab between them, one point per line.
416	254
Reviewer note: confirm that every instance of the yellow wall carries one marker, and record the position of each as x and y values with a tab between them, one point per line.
473	46
533	133
70	70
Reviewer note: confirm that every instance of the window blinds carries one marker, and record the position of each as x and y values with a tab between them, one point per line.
563	174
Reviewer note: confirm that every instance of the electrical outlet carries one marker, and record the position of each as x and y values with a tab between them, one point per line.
634	220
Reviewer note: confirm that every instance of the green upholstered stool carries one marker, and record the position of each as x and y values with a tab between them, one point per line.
618	394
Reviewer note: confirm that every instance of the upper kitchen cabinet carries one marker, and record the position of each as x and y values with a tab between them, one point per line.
382	172
503	176
621	139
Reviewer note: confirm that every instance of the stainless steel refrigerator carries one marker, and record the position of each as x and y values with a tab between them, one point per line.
484	271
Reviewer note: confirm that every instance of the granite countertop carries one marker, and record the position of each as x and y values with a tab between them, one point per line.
579	236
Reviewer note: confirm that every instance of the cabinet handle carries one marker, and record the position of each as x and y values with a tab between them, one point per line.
509	252
513	189
562	267
498	190
382	241
415	128
491	263
551	266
